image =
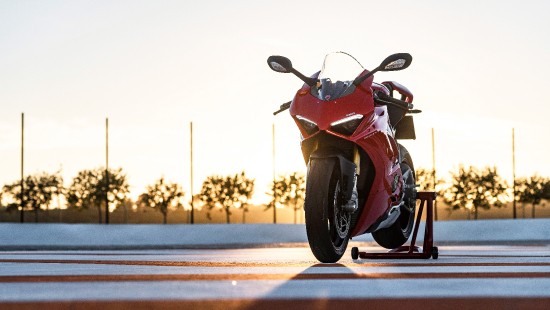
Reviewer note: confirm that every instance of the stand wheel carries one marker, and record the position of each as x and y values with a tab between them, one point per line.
435	252
354	253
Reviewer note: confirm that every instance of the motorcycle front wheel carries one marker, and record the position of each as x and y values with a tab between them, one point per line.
327	225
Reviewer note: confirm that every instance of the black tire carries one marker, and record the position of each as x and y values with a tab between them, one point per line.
435	252
327	226
399	232
354	253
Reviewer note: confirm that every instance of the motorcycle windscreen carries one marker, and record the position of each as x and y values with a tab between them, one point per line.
336	77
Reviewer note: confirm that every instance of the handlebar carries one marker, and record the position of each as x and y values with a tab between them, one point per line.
385	99
283	107
379	96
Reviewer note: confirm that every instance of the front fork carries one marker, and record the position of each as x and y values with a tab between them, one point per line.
353	203
348	176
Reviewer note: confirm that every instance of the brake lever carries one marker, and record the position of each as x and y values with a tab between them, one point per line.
283	107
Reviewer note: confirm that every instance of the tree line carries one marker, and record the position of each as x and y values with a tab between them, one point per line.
472	189
469	188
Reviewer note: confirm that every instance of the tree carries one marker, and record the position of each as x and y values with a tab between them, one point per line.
226	193
288	190
162	196
531	191
89	190
425	178
546	190
473	189
40	189
12	193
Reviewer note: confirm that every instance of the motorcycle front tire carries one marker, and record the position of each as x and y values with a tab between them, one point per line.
327	225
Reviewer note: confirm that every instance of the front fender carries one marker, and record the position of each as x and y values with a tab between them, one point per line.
347	168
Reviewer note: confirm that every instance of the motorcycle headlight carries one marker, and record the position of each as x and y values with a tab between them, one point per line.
309	126
347	125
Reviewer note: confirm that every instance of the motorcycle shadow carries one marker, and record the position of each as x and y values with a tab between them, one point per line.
320	286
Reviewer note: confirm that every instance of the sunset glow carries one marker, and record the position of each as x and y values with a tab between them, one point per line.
152	67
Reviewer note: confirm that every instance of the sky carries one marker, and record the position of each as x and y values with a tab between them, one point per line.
479	69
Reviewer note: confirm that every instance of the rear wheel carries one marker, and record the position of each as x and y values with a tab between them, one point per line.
399	232
327	225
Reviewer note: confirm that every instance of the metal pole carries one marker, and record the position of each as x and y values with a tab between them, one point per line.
107	170
22	214
434	175
191	171
274	176
514	171
58	196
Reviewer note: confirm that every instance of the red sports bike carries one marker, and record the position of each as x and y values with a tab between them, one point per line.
359	179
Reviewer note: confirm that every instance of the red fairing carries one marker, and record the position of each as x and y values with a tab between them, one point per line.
383	151
323	113
373	135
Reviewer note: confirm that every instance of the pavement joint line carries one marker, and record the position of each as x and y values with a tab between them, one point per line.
256	277
494	256
228	246
432	263
426	303
268	304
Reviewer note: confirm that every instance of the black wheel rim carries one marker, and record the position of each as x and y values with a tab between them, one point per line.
409	207
339	221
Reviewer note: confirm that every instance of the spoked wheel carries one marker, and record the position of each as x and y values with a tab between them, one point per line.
398	233
327	225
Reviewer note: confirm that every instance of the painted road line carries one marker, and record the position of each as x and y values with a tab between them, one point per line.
303	304
271	254
432	263
67	269
271	276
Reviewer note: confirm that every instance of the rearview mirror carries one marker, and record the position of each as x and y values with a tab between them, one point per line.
279	64
393	62
396	62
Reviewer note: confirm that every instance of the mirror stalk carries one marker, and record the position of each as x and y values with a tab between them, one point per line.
309	81
360	79
393	62
284	65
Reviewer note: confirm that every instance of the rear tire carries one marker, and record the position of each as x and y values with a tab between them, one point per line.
327	225
399	232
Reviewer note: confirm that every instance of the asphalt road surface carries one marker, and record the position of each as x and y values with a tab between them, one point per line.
464	277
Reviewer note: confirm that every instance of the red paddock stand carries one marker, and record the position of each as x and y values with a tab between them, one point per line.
411	251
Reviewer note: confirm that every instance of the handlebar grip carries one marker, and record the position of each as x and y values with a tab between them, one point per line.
283	107
406	94
396	102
